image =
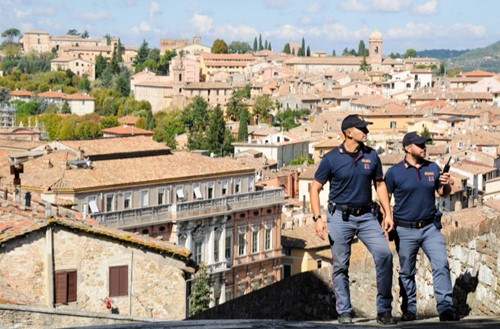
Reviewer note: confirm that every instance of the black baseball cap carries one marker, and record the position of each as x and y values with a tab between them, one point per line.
354	120
414	138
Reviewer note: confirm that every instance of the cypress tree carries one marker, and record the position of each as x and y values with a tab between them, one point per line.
243	127
200	292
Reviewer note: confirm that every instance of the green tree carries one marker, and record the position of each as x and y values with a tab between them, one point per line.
234	106
333	53
243	127
308	52
195	114
66	109
426	133
4	95
72	32
300	160
262	107
219	47
269	47
85	34
410	53
115	67
10	34
141	57
119	56
107	77
100	65
239	47
255	46
150	121
364	66
67	128
286	48
199	300
109	122
84	84
260	42
168	126
88	129
122	83
362	48
216	130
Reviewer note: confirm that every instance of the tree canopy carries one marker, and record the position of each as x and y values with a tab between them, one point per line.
219	47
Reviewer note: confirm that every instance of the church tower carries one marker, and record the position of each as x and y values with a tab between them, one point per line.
375	58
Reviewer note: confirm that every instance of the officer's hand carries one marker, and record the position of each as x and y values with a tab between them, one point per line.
444	178
321	228
388	223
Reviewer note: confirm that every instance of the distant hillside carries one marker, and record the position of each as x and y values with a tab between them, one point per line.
442	54
487	58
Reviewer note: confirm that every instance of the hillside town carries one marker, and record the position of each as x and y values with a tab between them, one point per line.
122	220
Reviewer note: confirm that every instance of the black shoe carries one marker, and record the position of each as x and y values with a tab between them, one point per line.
408	316
386	318
345	318
449	315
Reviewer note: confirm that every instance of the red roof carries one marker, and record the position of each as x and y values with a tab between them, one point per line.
20	92
477	73
127	130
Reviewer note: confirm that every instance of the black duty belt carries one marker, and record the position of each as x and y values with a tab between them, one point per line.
355	210
415	224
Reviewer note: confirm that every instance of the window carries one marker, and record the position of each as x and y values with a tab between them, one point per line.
287	271
255	239
144	198
229	246
127	200
65	286
210	190
118	281
110	202
161	195
217	245
92	202
393	124
179	191
197	192
224	187
268	229
242	242
237	186
197	252
250	184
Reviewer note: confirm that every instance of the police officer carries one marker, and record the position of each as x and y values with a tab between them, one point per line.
413	182
350	169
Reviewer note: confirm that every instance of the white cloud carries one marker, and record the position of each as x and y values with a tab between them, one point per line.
276	4
22	13
141	28
414	30
95	15
314	7
428	8
235	33
305	19
154	9
353	5
376	5
201	23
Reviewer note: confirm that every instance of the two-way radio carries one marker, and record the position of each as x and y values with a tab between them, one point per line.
447	166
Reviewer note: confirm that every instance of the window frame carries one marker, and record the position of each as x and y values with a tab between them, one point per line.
118	281
65	286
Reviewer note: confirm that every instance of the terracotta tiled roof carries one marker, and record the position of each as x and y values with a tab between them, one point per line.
78	96
129	120
20	92
303	237
127	130
478	73
51	172
52	94
228	57
17	220
337	60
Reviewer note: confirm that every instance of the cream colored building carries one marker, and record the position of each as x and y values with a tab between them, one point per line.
78	66
208	205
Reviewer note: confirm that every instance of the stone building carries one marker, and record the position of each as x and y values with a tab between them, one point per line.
70	264
209	205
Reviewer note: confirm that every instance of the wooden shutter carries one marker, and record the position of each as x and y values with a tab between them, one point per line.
61	285
72	283
118	281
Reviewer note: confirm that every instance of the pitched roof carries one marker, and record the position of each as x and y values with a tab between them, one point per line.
17	220
127	130
303	237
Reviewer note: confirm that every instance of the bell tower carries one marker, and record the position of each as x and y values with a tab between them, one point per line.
375	50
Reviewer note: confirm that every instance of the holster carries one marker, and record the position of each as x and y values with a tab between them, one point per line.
437	219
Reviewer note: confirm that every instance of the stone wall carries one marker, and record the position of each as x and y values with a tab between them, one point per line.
475	269
20	316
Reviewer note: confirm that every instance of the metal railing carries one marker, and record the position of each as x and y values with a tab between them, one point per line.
167	213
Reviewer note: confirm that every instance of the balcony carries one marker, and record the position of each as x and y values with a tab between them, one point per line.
169	213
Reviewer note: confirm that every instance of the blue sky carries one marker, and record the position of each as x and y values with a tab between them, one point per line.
324	24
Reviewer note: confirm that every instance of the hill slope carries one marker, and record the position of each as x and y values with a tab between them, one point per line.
487	58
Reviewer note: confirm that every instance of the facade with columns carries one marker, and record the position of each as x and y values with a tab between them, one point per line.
209	205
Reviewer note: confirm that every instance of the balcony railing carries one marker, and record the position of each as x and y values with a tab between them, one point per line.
167	213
